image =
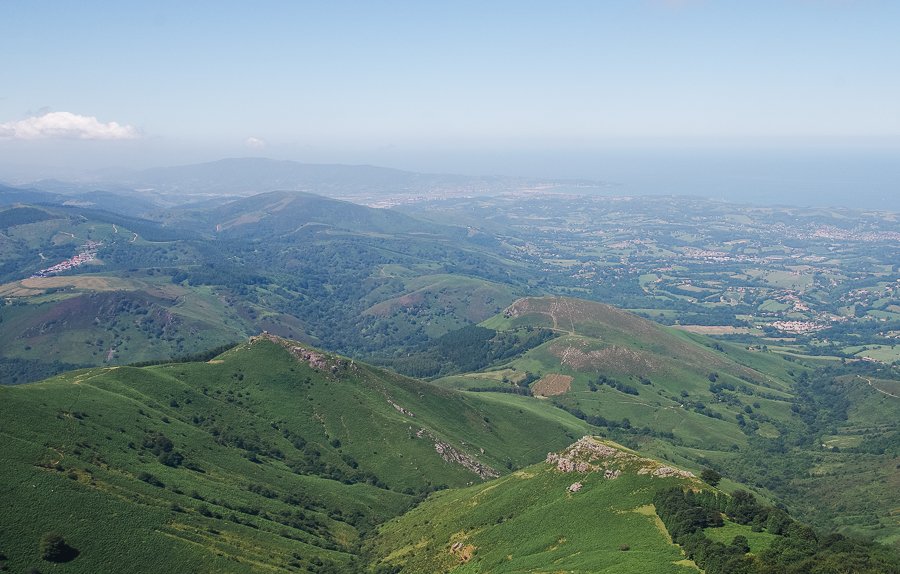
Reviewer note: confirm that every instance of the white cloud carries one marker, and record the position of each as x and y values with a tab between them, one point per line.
255	143
66	125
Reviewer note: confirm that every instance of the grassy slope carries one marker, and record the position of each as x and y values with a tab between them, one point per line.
77	318
844	491
443	302
599	339
862	490
73	324
530	522
74	453
147	322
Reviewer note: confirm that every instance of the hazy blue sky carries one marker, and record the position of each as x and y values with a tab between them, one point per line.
410	83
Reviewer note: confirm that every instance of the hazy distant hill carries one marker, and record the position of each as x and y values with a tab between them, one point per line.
13	195
294	263
280	212
134	192
248	176
125	202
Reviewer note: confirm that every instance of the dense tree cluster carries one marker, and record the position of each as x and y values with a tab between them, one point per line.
613	383
468	349
796	550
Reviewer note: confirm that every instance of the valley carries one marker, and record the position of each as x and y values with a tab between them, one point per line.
228	381
450	288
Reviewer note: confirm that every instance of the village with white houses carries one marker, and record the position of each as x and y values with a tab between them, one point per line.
87	254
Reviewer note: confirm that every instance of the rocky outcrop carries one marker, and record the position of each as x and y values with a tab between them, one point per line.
463	552
400	409
581	456
589	455
455	456
666	471
315	359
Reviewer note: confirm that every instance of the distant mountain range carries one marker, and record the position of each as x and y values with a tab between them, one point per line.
250	176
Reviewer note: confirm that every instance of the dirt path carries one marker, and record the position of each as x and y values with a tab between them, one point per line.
871	384
571	311
565	356
553	312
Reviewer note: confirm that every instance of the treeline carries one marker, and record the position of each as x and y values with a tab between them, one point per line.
524	391
468	349
16	371
595	420
618	385
621	431
796	550
21	216
200	357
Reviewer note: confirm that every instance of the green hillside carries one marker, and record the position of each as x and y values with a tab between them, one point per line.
599	507
819	440
271	454
612	365
367	282
597	517
274	456
106	320
279	212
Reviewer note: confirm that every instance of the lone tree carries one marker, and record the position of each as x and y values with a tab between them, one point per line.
55	549
710	477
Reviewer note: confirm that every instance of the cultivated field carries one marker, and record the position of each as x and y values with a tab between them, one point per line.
552	385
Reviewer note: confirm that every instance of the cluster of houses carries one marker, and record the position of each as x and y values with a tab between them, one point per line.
88	253
798	327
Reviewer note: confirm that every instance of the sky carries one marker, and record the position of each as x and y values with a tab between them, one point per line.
559	88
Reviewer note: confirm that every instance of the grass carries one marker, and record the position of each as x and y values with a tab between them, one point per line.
245	494
883	353
677	363
149	321
38	285
599	339
530	522
758	541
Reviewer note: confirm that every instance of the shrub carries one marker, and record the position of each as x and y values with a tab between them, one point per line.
741	544
172	458
710	476
55	549
150	479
